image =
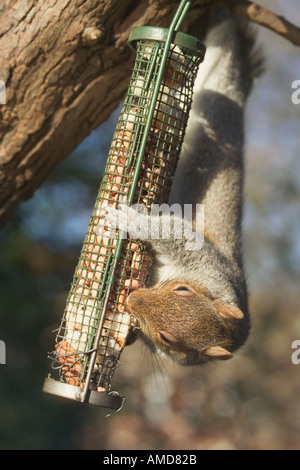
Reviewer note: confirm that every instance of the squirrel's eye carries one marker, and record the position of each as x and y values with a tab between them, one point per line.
183	291
166	337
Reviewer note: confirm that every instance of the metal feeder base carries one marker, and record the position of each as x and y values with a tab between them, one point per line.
111	400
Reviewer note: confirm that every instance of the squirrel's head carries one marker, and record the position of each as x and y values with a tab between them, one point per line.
186	323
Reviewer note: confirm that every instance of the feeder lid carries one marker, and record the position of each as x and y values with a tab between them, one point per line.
154	33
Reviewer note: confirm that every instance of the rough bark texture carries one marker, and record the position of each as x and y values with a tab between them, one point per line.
66	66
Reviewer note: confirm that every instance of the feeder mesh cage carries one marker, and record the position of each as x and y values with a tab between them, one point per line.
96	321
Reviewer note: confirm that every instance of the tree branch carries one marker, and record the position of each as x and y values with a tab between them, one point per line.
66	65
254	12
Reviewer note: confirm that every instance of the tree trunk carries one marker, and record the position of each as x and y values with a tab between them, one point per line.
66	66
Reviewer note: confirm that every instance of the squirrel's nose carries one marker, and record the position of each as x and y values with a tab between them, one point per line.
135	298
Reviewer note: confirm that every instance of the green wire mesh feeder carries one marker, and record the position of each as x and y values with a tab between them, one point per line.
141	164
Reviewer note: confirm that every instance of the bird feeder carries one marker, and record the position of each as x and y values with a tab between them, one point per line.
143	156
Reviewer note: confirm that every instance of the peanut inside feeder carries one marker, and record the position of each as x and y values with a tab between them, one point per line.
140	167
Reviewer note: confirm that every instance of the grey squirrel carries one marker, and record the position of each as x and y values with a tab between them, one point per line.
196	308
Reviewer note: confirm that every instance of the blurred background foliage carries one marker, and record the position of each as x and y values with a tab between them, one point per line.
250	402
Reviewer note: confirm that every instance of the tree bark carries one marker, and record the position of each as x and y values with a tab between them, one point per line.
66	65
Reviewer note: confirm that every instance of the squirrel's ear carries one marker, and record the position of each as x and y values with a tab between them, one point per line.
228	311
217	352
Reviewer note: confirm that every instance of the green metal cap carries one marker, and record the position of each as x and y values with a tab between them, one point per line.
154	33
